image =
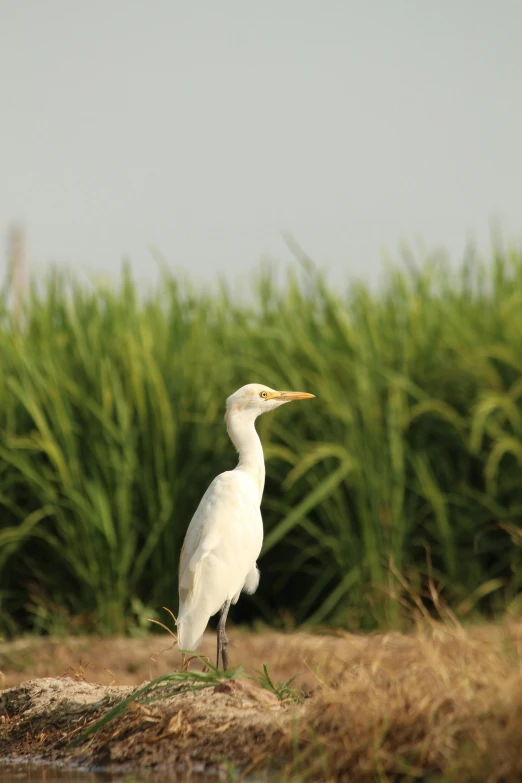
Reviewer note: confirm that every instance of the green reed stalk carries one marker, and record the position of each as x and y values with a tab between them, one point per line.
407	463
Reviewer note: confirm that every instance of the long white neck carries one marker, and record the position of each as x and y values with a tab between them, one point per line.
242	432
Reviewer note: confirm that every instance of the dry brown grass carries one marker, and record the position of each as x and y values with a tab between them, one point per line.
443	703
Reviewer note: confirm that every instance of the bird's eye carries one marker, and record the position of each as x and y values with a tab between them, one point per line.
264	395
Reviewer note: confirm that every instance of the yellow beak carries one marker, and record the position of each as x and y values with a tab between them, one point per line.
287	396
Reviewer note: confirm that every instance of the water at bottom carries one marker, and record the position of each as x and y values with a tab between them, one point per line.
33	772
36	772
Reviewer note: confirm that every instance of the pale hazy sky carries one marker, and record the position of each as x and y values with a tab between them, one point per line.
208	127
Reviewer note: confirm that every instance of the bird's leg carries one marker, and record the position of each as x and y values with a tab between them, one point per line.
222	641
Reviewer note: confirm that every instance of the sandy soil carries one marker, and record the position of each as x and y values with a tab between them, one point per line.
443	703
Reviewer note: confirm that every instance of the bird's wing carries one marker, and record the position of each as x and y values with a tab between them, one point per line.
220	549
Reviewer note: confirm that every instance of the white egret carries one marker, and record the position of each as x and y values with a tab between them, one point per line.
224	538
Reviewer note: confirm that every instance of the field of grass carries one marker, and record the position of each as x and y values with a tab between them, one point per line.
441	704
404	472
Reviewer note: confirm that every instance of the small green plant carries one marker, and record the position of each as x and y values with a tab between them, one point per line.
284	691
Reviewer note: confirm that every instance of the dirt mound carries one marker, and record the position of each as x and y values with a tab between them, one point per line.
49	698
190	731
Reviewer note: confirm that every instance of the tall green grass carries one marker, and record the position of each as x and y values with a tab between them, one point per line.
405	469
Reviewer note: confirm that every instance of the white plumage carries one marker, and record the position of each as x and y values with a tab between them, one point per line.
225	535
219	554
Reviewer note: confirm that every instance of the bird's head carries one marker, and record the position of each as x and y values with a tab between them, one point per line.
255	399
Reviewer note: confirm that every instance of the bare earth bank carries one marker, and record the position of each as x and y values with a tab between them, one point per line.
443	703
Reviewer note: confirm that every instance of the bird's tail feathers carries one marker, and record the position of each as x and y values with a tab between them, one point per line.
252	581
190	633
